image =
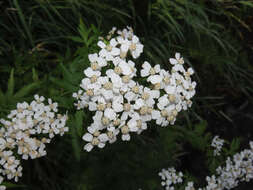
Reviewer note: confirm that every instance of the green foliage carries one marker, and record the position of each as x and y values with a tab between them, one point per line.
44	47
9	99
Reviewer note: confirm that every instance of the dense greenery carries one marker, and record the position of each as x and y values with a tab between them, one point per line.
44	46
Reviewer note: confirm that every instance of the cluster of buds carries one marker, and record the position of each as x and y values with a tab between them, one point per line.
217	144
26	131
122	105
239	169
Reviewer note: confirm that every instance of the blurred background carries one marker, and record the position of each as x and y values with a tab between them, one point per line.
44	47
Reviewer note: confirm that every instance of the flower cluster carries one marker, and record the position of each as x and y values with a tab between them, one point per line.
119	102
26	131
170	178
217	143
239	169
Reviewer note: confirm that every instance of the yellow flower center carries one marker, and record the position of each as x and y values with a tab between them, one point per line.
125	129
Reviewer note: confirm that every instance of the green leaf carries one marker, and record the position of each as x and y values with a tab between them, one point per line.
22	18
234	146
26	90
2	97
200	128
66	74
76	39
79	122
35	75
247	3
12	185
63	84
75	140
10	89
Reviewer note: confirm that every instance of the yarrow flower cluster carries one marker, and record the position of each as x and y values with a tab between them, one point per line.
119	102
170	178
26	131
238	169
217	143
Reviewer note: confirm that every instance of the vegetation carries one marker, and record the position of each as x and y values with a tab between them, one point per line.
44	47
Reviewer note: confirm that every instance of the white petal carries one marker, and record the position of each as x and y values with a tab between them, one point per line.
138	103
101	145
117	107
109	57
131	63
146	65
178	67
177	55
103	137
115	52
194	84
186	84
155	114
87	137
124	116
125	137
116	60
101	44
132	124
92	57
103	53
155	93
92	129
110	113
124	47
88	72
88	147
92	106
126	70
108	94
130	96
113	42
135	39
101	62
173	61
144	72
190	70
155	79
170	89
157	68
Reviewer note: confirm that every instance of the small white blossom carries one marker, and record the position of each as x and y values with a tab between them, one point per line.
217	143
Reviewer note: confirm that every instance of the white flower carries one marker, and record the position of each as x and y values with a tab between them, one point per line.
89	72
163	102
112	134
126	68
94	139
109	51
148	70
110	113
132	124
115	78
117	103
149	96
217	143
94	58
154	79
136	47
189	186
160	120
251	145
178	60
